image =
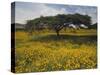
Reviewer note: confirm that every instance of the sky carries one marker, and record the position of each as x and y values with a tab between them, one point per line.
26	11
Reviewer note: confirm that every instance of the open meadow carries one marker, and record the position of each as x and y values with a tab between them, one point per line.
53	37
44	51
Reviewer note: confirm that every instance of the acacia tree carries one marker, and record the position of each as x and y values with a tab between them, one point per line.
57	22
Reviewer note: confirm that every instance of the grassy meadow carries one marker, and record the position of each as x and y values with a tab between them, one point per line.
44	51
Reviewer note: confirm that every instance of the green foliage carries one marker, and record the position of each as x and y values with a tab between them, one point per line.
56	23
51	21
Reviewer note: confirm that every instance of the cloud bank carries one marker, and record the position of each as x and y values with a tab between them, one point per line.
25	11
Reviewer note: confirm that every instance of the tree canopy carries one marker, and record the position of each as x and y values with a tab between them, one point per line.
59	19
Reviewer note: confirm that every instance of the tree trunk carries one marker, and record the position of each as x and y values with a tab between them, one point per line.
57	33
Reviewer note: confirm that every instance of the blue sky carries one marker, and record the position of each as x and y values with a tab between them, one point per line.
26	11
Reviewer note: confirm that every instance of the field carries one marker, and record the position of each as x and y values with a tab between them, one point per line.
44	51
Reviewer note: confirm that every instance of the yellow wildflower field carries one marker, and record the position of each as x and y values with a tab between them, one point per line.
45	52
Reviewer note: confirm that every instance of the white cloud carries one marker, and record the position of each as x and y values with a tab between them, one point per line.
35	11
26	11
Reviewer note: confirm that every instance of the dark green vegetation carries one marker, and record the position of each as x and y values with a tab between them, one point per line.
58	22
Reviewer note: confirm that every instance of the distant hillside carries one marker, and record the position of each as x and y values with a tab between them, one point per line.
93	26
